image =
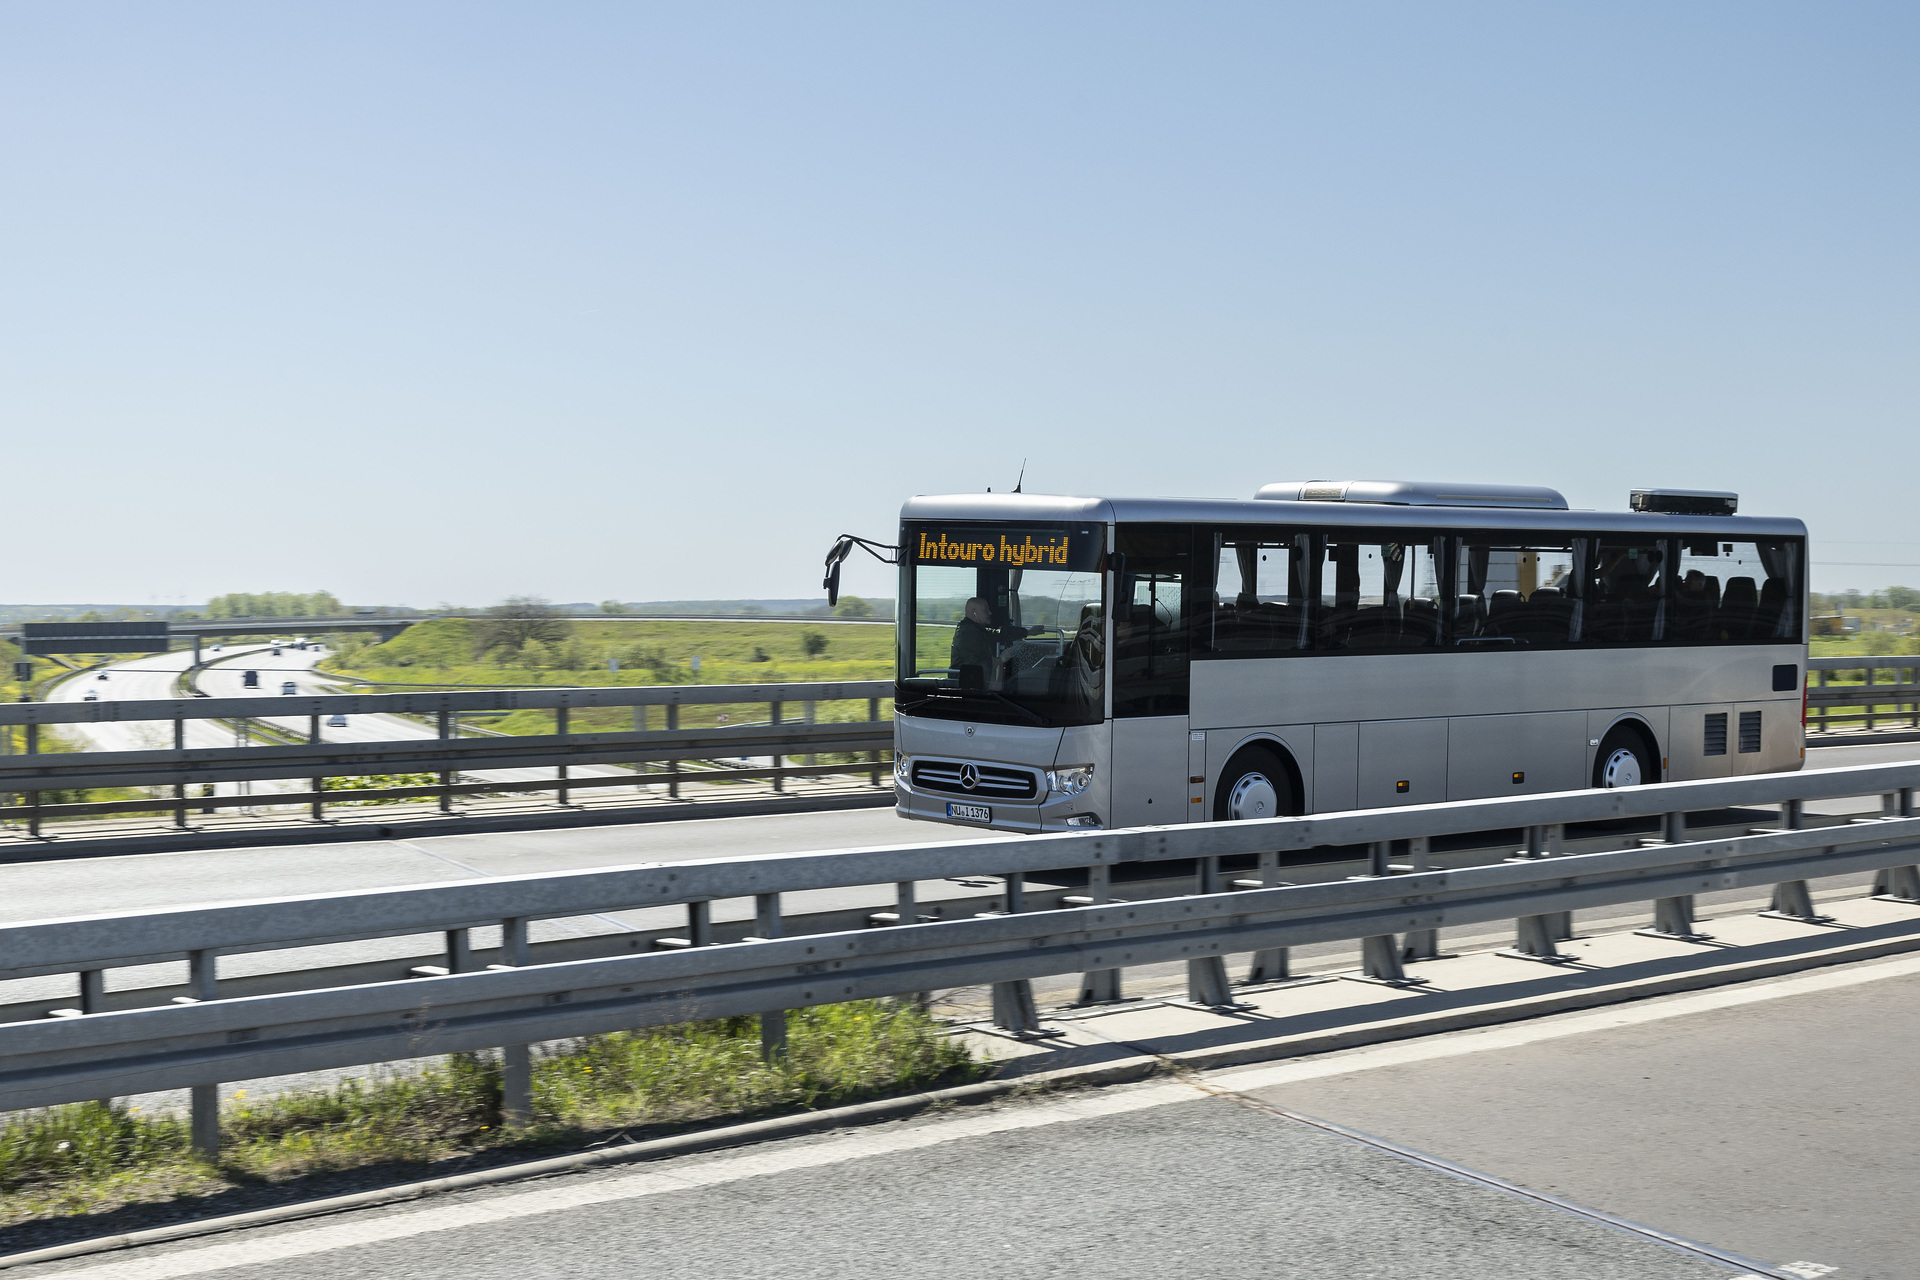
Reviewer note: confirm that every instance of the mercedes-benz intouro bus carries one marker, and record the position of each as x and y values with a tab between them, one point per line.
1069	663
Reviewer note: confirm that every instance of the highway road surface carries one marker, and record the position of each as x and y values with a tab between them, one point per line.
157	675
1767	1128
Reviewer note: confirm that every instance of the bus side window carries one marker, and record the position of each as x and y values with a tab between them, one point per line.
1627	591
1734	592
1518	589
1380	595
1260	592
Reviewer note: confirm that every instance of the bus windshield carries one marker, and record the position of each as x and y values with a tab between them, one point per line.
1003	624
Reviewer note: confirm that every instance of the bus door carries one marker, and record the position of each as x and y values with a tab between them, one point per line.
1152	625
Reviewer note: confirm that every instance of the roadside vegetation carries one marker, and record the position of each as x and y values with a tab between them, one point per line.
520	644
89	1158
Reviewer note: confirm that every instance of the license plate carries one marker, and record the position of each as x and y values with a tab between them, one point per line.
969	812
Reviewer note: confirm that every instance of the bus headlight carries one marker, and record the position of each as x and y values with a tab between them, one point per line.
902	767
1070	781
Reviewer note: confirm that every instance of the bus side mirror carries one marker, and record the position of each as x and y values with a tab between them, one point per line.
832	585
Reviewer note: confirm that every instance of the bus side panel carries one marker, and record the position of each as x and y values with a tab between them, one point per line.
1402	762
1149	771
1688	747
1336	767
1516	755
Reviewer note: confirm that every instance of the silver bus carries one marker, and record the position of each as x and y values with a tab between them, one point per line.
1070	663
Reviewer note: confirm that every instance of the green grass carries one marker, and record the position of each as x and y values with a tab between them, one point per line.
90	1158
449	652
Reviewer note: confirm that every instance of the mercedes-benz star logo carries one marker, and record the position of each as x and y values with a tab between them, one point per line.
969	776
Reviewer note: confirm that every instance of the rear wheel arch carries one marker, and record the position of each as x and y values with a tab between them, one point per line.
1628	733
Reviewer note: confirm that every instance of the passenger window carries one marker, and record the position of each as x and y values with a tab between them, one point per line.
1517	590
1262	591
1626	590
1734	592
1378	595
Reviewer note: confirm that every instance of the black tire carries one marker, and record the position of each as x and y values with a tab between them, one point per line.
1611	765
1239	794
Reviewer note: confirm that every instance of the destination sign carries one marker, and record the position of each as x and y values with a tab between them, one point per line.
1027	548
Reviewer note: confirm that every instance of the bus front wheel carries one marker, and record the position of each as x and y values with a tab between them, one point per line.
1623	760
1255	784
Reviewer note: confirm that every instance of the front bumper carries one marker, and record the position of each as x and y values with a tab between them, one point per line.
1049	813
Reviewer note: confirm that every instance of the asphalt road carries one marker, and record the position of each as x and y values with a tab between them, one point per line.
1769	1121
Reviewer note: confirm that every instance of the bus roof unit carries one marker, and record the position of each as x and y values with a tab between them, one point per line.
1415	493
1685	502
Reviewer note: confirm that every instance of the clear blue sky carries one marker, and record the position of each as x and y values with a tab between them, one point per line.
423	302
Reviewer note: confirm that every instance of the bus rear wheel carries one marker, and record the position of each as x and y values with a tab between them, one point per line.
1623	760
1255	784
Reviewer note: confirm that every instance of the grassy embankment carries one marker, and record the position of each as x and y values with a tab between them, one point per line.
1892	654
90	1158
449	654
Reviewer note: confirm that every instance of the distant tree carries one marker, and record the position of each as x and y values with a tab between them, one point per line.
614	609
519	621
852	607
1903	598
813	642
760	655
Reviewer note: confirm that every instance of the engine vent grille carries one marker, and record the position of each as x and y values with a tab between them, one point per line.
1716	743
992	780
1749	731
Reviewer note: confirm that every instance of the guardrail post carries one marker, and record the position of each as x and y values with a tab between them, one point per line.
1898	884
1380	956
1793	899
1871	673
1207	975
673	765
459	951
1100	986
773	1024
445	726
700	924
779	783
560	726
808	710
1269	965
1420	944
1673	917
33	797
1822	673
516	1060
179	788
1013	1006
203	1099
873	716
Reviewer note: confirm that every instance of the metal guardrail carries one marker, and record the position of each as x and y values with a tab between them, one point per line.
513	1005
447	754
1871	702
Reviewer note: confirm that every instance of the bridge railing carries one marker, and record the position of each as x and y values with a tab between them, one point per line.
517	1001
657	756
1872	693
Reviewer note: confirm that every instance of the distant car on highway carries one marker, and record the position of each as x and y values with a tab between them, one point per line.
249	679
216	648
101	676
336	721
91	695
288	686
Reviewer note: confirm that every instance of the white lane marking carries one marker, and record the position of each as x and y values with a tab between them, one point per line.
862	1144
1514	1035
